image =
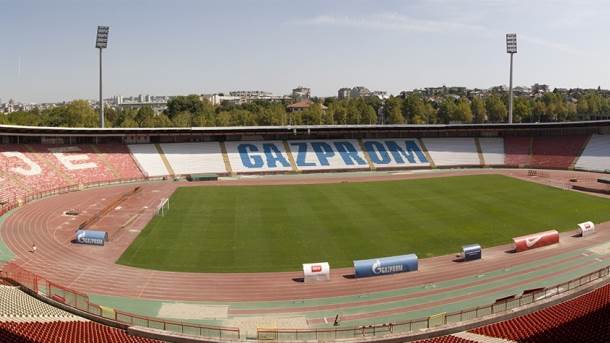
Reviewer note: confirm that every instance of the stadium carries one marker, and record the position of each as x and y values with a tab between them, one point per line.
393	233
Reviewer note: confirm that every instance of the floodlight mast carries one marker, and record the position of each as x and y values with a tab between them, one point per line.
511	48
101	43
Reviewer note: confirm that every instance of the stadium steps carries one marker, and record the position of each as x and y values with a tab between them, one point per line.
166	163
17	304
583	319
365	152
102	158
477	144
225	158
67	180
65	332
580	152
480	338
426	152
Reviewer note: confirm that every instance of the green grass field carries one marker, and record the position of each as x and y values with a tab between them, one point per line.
277	228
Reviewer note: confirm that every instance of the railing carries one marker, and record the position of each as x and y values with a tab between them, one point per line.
81	302
410	326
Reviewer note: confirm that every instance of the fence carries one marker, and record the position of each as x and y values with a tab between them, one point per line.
81	302
405	327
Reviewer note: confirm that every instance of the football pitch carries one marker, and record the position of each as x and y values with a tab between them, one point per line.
277	228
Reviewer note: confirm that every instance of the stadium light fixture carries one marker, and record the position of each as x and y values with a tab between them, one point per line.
511	48
101	43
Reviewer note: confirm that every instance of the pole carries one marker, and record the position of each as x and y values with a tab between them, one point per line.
101	97
510	92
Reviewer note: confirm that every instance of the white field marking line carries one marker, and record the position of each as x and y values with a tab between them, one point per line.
148	277
78	277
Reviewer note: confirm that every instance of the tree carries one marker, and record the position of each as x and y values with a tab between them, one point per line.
496	110
393	111
521	110
461	112
182	119
223	119
446	110
415	110
190	103
162	120
312	115
128	122
477	107
145	115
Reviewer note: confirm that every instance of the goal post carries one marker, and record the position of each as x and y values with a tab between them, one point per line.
162	208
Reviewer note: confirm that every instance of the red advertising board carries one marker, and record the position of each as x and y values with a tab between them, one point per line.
535	240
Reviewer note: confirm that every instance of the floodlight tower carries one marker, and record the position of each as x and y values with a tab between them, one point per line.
511	48
101	43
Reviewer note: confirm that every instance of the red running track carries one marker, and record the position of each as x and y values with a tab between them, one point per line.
91	269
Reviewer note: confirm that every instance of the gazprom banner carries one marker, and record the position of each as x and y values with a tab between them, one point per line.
91	237
257	156
321	154
404	152
386	265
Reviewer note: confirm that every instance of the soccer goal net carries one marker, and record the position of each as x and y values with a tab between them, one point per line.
162	208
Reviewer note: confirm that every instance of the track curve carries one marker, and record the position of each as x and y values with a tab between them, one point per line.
91	269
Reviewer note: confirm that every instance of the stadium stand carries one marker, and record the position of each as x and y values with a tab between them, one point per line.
148	159
452	151
556	152
394	153
517	151
65	332
584	319
446	339
328	155
17	304
492	150
120	160
192	158
254	156
596	155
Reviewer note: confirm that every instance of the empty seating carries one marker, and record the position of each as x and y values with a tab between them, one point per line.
584	319
517	151
193	158
120	160
16	303
40	168
558	152
65	332
446	339
492	149
452	151
596	155
149	160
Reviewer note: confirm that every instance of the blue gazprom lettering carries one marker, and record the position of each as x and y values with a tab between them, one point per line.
411	148
377	152
349	154
247	159
302	155
323	152
274	155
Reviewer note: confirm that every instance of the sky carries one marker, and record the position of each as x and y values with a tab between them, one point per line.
173	47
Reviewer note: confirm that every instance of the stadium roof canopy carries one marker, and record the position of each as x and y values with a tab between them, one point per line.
253	130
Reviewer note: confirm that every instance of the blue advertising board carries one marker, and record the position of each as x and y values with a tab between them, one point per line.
91	237
385	265
471	252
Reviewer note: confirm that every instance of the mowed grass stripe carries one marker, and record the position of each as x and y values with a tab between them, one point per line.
276	228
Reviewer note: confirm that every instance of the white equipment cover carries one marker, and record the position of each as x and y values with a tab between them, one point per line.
313	272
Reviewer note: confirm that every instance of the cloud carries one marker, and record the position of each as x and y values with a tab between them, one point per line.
398	22
387	21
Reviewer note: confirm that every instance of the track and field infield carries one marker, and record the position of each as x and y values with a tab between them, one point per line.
276	228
